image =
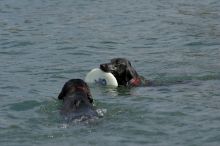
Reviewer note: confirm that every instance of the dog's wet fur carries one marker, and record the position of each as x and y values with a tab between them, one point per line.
124	73
77	100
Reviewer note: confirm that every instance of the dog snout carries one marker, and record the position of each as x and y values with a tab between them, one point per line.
104	67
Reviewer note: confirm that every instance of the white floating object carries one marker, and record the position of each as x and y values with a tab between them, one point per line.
98	76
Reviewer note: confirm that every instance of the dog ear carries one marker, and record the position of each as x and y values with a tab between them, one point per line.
61	95
130	73
89	95
65	89
129	63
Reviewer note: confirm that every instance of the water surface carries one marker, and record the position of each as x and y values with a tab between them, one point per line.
45	43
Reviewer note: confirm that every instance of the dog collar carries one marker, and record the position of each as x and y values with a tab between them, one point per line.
135	82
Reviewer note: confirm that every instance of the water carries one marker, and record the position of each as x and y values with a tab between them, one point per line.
45	43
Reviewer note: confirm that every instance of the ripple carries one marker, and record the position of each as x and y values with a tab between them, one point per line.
176	43
24	106
101	112
67	48
202	44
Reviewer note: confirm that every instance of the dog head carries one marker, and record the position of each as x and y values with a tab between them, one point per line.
122	69
75	94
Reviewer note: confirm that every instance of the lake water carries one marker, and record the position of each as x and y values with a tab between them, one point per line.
44	43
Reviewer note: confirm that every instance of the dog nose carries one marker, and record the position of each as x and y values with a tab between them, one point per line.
103	67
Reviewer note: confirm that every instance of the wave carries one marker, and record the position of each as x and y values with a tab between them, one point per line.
185	79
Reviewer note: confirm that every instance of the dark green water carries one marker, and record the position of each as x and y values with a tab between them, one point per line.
176	43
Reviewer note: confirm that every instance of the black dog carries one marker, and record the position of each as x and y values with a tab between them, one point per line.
77	99
124	73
